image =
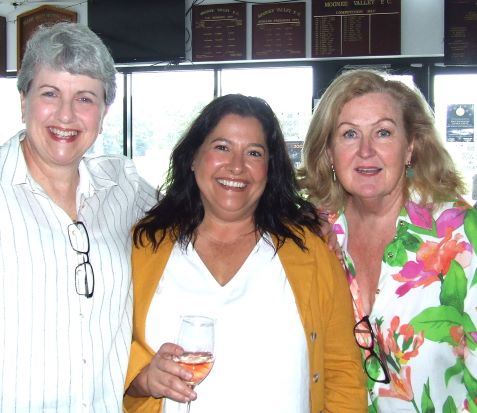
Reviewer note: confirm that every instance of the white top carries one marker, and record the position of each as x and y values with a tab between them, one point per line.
60	351
261	357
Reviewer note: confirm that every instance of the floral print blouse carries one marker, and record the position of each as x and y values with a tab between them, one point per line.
425	313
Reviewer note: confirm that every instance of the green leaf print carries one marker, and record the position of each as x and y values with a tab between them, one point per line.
373	408
449	406
418	230
454	287
474	280
395	254
469	327
426	402
470	383
436	322
457	368
411	242
470	226
350	266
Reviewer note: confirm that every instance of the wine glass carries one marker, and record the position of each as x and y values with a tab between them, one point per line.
196	337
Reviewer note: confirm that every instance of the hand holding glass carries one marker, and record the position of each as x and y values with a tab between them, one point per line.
196	337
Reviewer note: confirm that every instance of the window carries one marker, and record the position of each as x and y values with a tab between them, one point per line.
110	141
289	92
10	109
164	104
455	102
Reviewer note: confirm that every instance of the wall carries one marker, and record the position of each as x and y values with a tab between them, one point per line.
422	25
11	13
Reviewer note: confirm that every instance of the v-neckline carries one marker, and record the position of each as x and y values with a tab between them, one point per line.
233	280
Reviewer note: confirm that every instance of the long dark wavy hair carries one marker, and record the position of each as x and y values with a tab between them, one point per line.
281	210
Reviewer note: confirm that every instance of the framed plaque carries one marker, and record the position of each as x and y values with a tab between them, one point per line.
218	32
356	28
3	46
460	123
295	149
278	30
29	21
460	32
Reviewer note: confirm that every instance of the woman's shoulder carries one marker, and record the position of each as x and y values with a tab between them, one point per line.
111	167
315	262
454	221
426	215
316	247
9	153
143	244
146	259
309	237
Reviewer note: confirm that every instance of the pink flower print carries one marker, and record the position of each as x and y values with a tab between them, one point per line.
419	216
354	288
450	219
400	337
460	350
380	339
457	333
437	257
464	258
390	341
413	275
338	229
433	260
400	386
417	342
332	217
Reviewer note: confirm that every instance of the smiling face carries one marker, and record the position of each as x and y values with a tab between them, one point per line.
63	114
369	149
231	168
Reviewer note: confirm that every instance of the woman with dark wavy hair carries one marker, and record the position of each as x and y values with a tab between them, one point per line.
232	239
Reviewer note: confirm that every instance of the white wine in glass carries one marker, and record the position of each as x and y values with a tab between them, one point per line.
196	337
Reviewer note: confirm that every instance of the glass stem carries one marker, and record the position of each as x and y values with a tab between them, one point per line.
188	403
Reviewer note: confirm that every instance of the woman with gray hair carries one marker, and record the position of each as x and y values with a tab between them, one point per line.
65	295
374	162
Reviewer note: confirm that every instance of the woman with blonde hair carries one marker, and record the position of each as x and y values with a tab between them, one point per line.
374	162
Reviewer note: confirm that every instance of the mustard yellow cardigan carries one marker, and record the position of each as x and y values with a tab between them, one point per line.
337	382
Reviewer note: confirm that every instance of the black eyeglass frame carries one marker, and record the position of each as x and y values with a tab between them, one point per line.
85	265
370	349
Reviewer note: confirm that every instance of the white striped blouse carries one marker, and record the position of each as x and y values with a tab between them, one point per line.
61	351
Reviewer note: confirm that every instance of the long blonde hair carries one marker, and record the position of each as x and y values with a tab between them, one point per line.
435	179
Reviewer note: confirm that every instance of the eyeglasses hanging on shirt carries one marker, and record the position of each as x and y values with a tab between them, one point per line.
374	366
84	274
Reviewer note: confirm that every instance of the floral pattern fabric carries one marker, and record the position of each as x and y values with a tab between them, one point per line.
425	311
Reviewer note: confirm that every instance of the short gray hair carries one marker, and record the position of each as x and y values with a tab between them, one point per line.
70	47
